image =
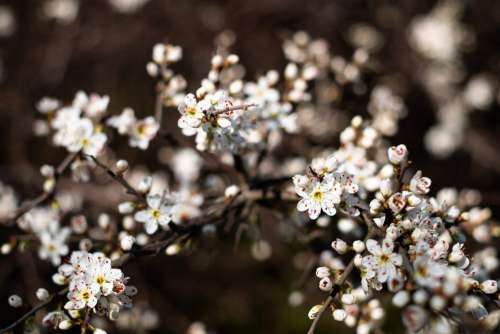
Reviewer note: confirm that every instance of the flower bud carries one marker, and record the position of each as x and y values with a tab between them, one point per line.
65	324
397	154
348	299
15	301
322	272
325	284
121	166
401	298
145	185
358	246
126	208
6	248
386	187
42	294
314	311
340	246
339	314
231	191
489	286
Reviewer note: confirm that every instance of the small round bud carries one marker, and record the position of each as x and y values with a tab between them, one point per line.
126	242
126	208
145	185
339	314
325	284
42	294
85	244
15	301
437	303
231	191
104	220
121	166
314	311
232	59
322	272
340	246
401	298
397	154
358	246
420	297
6	248
65	324
358	260
348	299
173	249
99	331
489	286
128	222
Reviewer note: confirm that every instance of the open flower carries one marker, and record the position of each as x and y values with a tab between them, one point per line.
317	196
157	213
382	262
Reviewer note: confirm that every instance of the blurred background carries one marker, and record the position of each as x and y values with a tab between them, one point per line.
57	47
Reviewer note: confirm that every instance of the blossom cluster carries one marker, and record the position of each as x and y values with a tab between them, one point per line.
414	248
92	284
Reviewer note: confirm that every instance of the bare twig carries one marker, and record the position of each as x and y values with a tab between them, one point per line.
33	311
44	195
118	178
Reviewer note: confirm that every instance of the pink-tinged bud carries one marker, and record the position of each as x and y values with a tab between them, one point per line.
397	154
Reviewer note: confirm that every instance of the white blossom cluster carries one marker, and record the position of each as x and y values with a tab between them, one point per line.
414	248
93	284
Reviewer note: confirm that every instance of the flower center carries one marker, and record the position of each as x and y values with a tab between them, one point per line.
317	195
99	280
85	295
156	214
384	258
191	111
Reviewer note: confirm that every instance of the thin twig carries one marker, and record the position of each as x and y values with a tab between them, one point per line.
33	311
44	195
118	178
338	284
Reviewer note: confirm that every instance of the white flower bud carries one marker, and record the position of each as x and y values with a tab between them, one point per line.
231	191
173	249
379	221
42	294
358	246
397	154
437	303
49	185
325	284
103	220
339	314
145	185
126	208
322	272
392	232
232	59
489	286
65	324
340	246
401	298
152	69
314	311
420	297
6	248
126	242
348	299
121	166
99	331
15	301
358	260
386	187
375	206
128	223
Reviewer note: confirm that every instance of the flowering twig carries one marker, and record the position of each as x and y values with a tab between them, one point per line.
338	284
46	194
